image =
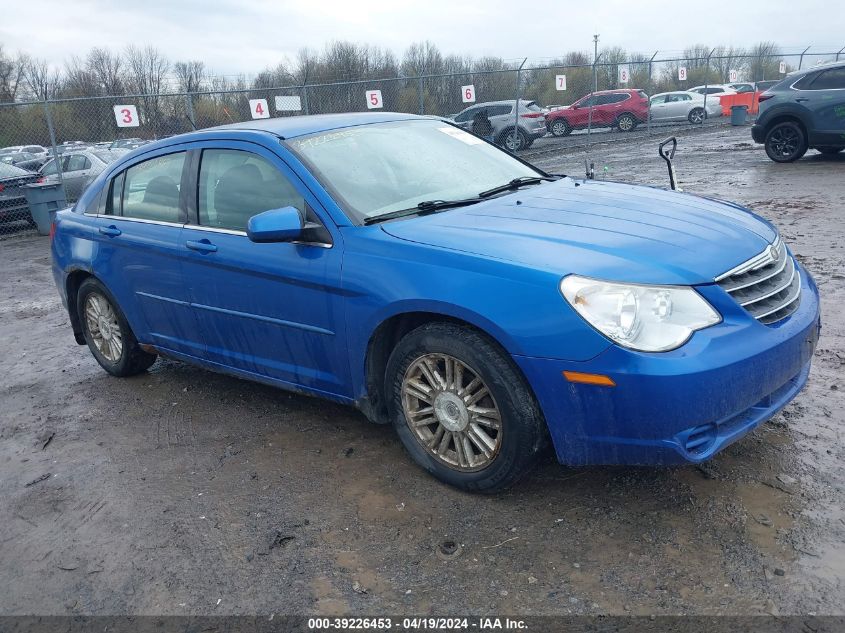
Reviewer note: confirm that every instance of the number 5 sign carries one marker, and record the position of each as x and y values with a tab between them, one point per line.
468	93
258	108
682	73
126	116
374	99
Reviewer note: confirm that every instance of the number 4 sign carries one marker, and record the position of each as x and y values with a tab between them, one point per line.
258	108
374	99
682	73
560	82
468	93
126	116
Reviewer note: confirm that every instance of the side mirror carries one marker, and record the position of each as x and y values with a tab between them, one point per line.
275	225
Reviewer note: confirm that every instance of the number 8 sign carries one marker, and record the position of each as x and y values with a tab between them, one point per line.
468	94
126	116
374	99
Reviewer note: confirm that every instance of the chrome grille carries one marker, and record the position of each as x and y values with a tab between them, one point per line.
767	285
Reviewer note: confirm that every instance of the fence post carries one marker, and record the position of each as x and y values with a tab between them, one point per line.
801	59
650	86
420	94
56	156
839	53
189	104
305	99
516	106
707	77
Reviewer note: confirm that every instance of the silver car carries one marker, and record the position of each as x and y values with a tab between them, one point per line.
79	168
532	122
681	105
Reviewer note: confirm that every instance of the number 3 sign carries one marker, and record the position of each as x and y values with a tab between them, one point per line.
126	116
374	99
259	109
468	94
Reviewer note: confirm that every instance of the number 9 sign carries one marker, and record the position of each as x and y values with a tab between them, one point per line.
468	94
258	108
682	73
374	99
126	116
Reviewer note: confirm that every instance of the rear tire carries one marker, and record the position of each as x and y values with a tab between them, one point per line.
107	333
462	409
786	142
560	127
697	116
626	122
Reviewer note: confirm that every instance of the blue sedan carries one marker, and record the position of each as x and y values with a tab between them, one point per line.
483	307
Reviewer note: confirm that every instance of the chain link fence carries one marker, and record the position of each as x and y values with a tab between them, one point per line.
69	141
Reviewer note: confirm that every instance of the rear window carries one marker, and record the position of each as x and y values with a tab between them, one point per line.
9	171
805	81
831	79
533	106
642	94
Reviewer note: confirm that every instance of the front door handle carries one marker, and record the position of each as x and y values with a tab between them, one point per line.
111	231
801	99
203	246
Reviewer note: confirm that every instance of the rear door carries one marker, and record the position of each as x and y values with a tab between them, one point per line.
826	100
136	256
269	309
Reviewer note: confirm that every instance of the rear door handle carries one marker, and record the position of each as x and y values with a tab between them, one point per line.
203	246
111	231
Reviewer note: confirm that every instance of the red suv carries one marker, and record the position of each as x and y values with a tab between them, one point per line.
623	109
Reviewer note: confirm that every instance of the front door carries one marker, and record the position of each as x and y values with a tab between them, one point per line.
826	99
270	309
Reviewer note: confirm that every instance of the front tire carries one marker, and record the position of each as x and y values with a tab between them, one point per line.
107	333
462	409
786	142
560	127
626	122
697	116
513	142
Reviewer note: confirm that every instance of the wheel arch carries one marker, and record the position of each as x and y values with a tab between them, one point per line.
72	284
784	117
383	340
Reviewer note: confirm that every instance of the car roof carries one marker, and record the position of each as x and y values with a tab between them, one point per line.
291	127
677	92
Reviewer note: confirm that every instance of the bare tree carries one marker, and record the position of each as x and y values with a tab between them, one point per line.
78	80
189	75
41	82
764	61
107	68
147	69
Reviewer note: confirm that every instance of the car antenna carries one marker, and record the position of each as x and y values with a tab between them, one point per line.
668	155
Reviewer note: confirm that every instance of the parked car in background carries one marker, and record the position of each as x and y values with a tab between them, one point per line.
36	150
682	105
621	109
806	110
713	91
24	160
762	86
13	206
481	306
742	87
79	168
531	122
125	142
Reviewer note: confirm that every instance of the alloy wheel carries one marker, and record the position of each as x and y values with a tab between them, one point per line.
784	141
626	123
103	326
696	116
451	412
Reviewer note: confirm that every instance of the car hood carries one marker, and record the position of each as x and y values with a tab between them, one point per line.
607	230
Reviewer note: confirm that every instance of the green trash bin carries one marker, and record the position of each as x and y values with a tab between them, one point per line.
44	199
739	113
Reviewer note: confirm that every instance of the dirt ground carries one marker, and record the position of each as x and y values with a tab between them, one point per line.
186	492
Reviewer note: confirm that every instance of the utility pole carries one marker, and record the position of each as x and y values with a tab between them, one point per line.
595	59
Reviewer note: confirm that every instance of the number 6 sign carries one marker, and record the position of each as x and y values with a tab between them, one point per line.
374	99
126	116
258	108
468	94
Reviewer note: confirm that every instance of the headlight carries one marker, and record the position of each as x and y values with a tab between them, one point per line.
645	318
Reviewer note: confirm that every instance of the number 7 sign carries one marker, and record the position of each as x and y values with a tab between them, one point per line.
126	116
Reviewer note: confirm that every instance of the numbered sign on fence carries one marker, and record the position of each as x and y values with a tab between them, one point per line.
560	82
126	116
258	108
468	93
733	75
682	73
783	68
374	99
624	74
288	104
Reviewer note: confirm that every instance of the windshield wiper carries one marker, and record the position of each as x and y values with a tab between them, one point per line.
423	208
516	183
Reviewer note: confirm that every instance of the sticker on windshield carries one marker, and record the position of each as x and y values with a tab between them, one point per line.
454	132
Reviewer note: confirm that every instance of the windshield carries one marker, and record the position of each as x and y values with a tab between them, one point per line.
376	169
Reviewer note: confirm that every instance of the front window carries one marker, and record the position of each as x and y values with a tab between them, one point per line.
376	169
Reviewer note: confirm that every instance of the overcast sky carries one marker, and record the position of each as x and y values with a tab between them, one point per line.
246	36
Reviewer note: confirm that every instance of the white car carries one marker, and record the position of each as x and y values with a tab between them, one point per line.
36	150
677	106
715	90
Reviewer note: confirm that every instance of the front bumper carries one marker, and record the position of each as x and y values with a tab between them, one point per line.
685	405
